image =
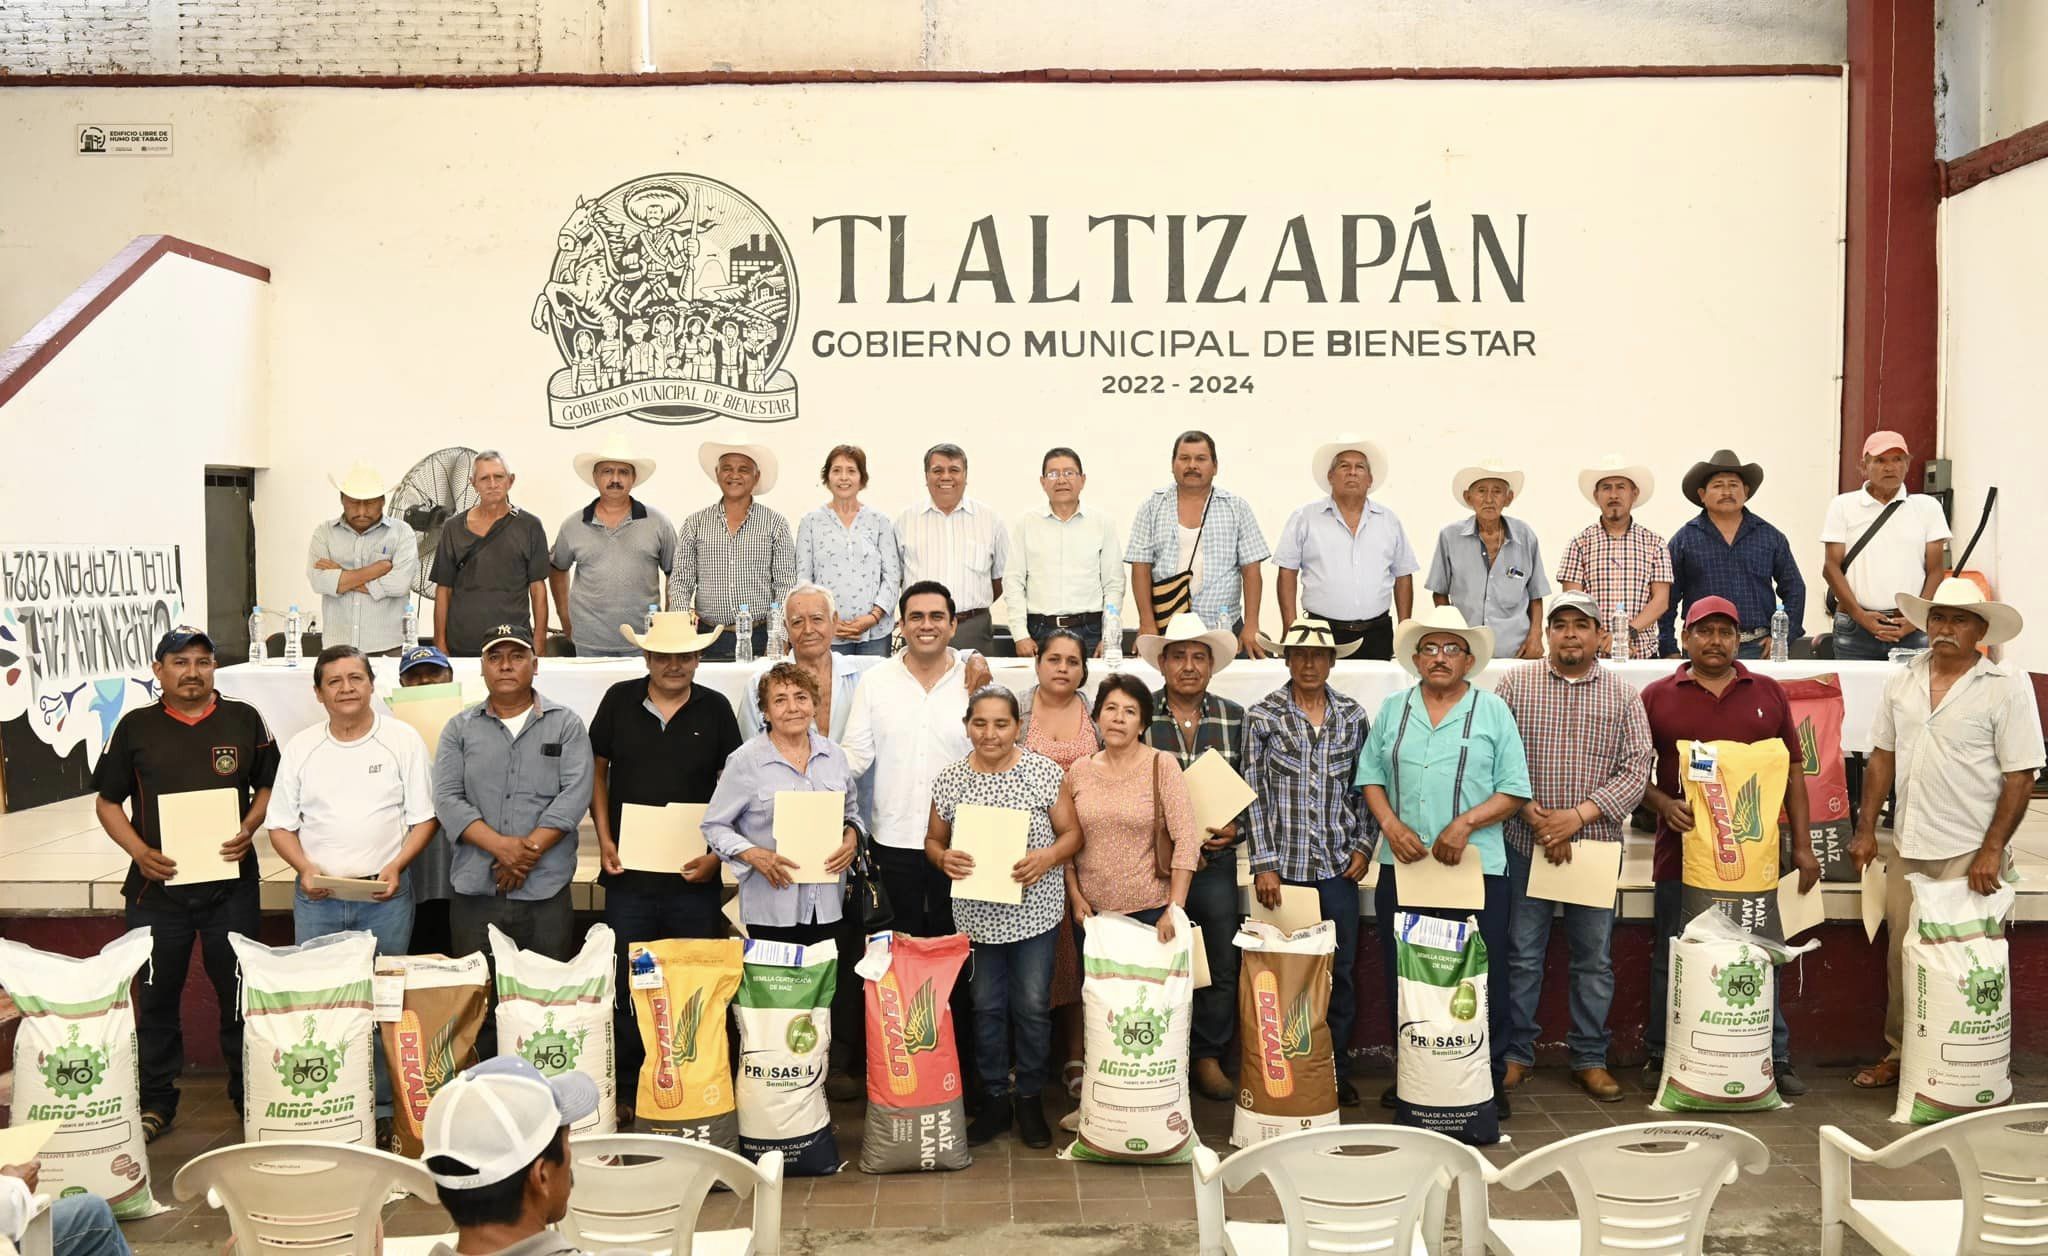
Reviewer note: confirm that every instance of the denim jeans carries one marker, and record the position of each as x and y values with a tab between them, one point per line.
1670	922
1091	634
1852	642
1012	985
84	1225
721	650
1339	897
159	1023
1588	931
1212	904
1493	930
390	921
879	645
688	911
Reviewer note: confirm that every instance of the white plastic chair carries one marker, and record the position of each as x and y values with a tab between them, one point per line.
303	1198
2001	1160
1642	1189
644	1191
1345	1188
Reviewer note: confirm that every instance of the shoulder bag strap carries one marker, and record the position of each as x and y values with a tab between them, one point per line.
1833	602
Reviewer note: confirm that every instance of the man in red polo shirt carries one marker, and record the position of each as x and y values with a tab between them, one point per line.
1713	697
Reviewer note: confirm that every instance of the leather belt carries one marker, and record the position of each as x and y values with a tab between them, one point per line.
1088	620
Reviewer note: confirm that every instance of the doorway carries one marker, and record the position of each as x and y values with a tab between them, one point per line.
230	560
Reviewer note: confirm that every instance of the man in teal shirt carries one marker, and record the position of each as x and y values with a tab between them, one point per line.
1442	770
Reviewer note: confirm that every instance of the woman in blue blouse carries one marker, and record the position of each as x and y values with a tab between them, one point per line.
852	550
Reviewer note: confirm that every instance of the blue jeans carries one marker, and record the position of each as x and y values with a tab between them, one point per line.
1340	907
1752	649
84	1225
1212	904
390	921
691	911
1670	921
1090	634
1493	930
1852	642
880	645
1588	931
1012	985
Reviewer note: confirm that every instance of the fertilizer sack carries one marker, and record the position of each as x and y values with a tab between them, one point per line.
785	1015
1444	1077
916	1121
74	1062
307	1036
1957	1054
430	1010
1287	1077
1137	997
558	1016
681	990
1717	1048
1817	706
1736	790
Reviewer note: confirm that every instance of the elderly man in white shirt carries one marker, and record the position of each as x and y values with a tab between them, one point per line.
362	564
959	542
1960	738
1066	563
1345	559
1866	562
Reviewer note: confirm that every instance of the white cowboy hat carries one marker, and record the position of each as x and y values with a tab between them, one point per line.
1188	626
1610	467
674	632
1491	469
360	482
1441	619
2002	622
764	460
1313	634
616	449
1326	453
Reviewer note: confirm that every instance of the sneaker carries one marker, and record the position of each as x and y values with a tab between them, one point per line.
994	1120
1790	1084
1031	1126
1347	1094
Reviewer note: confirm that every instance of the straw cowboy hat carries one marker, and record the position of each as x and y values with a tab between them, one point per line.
1612	467
1491	469
615	449
1375	458
764	461
1310	634
1723	460
360	482
674	632
2002	622
1441	619
1188	626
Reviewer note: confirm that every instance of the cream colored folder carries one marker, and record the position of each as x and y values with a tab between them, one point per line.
1201	958
1799	912
661	839
1427	883
1218	793
810	826
354	889
427	709
1589	880
1300	907
996	837
1873	898
21	1144
194	826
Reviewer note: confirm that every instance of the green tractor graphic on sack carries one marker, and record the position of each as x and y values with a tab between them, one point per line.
308	1069
554	1051
72	1071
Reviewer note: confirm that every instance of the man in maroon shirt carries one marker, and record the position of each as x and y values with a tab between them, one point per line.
1712	697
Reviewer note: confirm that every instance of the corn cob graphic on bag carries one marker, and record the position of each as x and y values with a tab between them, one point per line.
1287	1077
681	990
916	1122
434	1037
1736	790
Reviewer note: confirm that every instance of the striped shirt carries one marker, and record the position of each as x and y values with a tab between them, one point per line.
966	550
718	570
1308	817
1618	571
1587	740
1230	541
1705	565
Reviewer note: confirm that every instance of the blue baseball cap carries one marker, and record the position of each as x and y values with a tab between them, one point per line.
180	637
422	654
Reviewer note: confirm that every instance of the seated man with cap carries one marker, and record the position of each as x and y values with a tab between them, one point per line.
1625	566
1489	566
1730	554
619	548
496	1141
362	563
1345	555
426	665
735	552
1881	539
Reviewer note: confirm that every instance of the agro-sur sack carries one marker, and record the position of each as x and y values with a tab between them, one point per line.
1444	1062
1287	1077
681	989
1735	790
785	1015
440	1011
307	1038
916	1121
1717	1048
1137	997
558	1016
1957	1053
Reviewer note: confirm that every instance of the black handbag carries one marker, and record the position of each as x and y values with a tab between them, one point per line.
866	895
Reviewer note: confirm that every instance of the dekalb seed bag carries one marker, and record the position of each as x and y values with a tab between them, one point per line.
785	1014
916	1121
558	1016
440	1007
1957	1053
1287	1077
1736	790
681	989
74	1062
307	1038
1717	1048
1817	707
1137	997
1444	1062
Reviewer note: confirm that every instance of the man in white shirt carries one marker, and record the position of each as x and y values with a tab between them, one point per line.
958	542
1345	559
362	565
1960	738
1906	553
1066	563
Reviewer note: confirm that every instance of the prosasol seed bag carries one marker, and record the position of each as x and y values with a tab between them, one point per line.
785	1015
440	1008
74	1062
916	1120
1137	997
1444	1063
558	1016
1287	1077
1717	1048
306	1039
1957	1053
681	989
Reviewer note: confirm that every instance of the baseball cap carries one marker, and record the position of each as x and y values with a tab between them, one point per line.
498	1117
505	632
1696	611
1572	600
422	654
180	637
1882	442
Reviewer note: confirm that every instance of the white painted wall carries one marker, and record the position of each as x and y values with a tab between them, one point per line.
1992	62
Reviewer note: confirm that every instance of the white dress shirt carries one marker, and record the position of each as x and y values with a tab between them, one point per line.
965	550
1895	561
1071	566
1952	760
908	734
372	618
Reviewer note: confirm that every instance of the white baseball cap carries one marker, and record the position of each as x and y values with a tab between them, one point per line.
499	1116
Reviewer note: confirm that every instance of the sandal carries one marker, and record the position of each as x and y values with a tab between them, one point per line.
154	1123
1072	1074
1878	1076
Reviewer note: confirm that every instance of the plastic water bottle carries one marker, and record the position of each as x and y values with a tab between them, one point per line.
1112	636
778	632
1618	648
743	636
293	627
255	634
647	624
1781	634
411	631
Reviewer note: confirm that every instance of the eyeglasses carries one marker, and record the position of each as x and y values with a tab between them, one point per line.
1448	649
1059	475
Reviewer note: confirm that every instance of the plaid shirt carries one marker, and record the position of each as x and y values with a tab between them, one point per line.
1704	565
1230	541
1619	572
1221	728
1587	741
1308	817
717	571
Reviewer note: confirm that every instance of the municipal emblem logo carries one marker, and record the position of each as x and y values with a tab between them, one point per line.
671	299
226	759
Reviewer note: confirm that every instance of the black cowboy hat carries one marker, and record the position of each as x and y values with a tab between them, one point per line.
1723	460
